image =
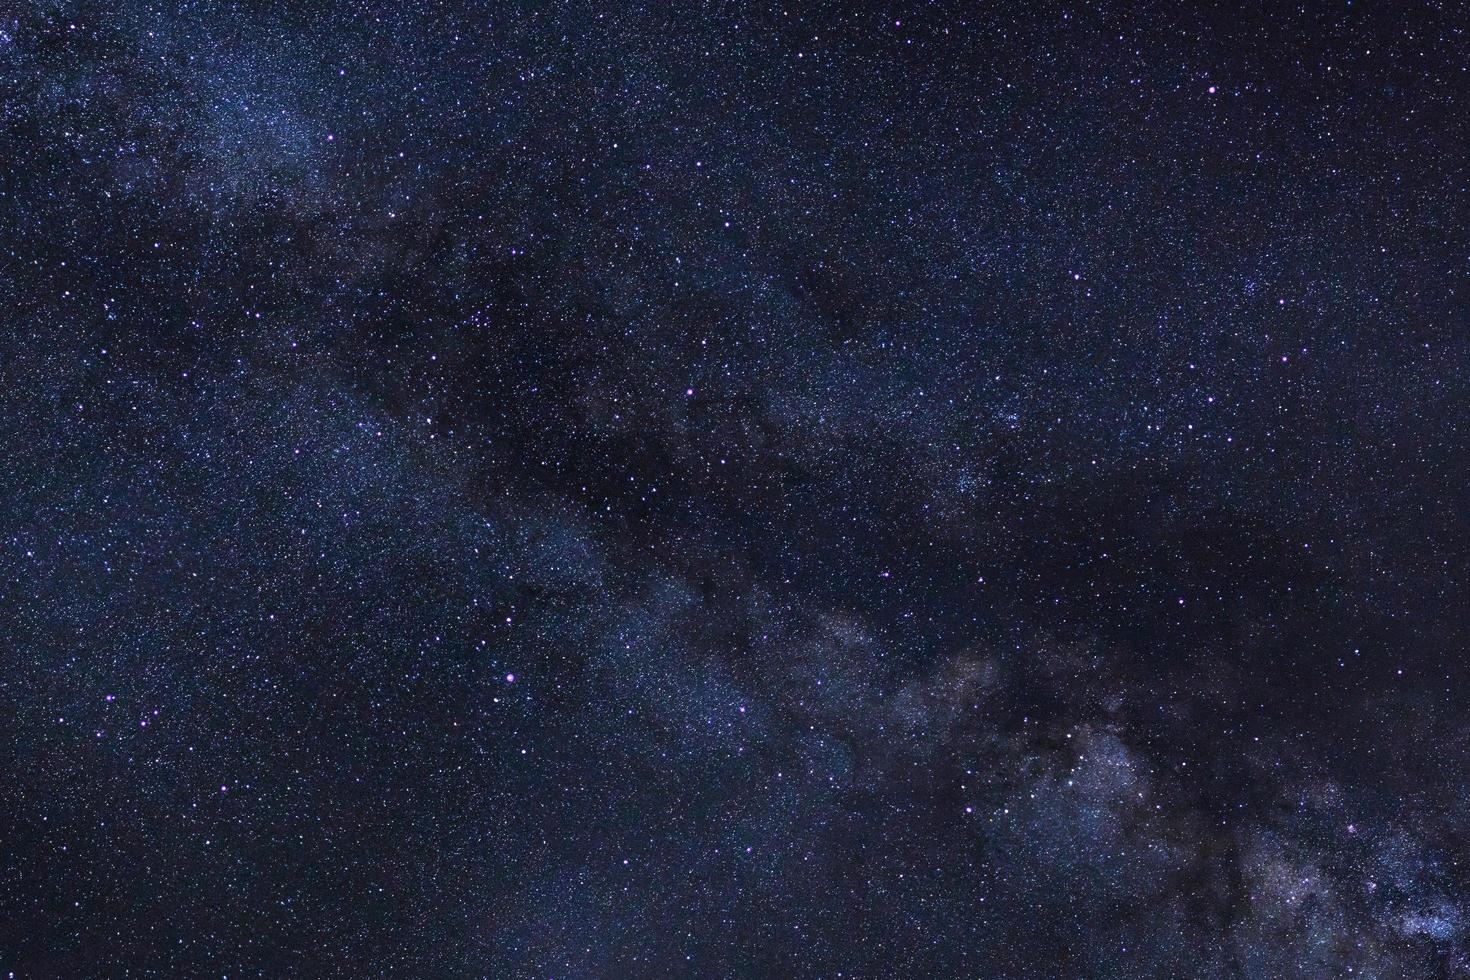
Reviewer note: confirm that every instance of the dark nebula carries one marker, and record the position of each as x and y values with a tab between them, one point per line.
603	489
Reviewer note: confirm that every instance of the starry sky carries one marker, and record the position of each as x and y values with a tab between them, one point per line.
614	489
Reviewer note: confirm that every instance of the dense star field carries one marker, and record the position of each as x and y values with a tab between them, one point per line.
581	490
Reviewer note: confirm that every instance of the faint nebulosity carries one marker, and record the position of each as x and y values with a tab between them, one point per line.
605	489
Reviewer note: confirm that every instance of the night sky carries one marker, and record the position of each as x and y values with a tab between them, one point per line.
616	490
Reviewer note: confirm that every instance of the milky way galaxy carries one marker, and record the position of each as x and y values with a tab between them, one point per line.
608	490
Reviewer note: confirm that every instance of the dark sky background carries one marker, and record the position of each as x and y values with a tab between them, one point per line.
578	490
